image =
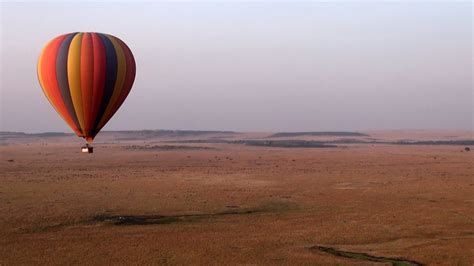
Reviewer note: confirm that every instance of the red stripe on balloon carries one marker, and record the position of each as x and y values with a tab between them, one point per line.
98	79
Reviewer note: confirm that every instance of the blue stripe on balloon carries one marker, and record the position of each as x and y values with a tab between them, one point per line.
110	77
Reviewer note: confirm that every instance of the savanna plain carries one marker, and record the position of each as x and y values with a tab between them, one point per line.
205	197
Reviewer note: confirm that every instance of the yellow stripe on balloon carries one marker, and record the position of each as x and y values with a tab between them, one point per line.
121	68
74	78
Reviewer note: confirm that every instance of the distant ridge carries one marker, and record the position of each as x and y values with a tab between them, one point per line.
231	137
136	133
319	133
11	134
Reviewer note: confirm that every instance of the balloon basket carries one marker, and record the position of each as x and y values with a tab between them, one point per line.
87	149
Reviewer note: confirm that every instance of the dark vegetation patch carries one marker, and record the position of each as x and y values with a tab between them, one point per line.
269	207
212	141
465	142
403	142
288	144
324	144
161	219
166	147
265	143
319	133
157	219
365	256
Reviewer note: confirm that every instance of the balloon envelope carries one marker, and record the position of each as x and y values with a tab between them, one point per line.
86	78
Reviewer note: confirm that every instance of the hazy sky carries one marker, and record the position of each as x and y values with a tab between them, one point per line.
281	66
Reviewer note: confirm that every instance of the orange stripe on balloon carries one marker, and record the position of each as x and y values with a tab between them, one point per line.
87	78
48	81
41	79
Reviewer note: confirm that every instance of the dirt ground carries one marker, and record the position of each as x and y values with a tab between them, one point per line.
235	204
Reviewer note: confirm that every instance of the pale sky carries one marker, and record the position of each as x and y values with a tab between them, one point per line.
268	66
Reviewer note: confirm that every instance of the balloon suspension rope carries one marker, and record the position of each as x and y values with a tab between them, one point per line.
87	148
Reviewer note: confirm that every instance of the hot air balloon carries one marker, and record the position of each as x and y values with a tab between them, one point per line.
86	78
